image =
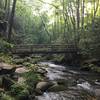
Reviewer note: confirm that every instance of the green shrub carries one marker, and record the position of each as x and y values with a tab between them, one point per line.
6	58
20	91
4	96
32	78
4	45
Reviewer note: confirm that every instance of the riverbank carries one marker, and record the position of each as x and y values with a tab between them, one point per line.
92	65
25	78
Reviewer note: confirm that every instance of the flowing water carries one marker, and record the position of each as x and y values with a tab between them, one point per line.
80	85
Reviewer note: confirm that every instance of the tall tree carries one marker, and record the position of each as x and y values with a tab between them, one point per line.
11	19
78	14
82	24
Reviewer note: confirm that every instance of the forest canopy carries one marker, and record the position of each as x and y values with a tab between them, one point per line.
54	21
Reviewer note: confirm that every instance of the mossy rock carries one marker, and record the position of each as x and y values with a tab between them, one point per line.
96	69
27	59
6	69
43	86
85	68
26	64
90	67
18	61
56	88
62	82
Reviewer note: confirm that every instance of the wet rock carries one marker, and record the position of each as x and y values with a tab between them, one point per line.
91	64
18	66
67	83
92	61
32	97
43	86
79	81
85	68
56	88
16	57
85	86
28	59
41	71
62	82
6	69
97	92
38	92
97	82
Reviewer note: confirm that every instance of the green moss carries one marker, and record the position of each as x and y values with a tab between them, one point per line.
57	88
4	96
4	45
96	69
91	67
6	58
58	58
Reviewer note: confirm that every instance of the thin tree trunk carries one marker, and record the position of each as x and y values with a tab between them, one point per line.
64	32
83	14
78	14
45	28
78	21
95	11
8	10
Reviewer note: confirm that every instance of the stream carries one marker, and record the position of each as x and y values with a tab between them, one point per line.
80	85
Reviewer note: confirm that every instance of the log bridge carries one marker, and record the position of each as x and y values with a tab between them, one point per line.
43	49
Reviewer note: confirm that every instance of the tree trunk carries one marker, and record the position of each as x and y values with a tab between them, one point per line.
83	14
78	14
11	20
78	21
96	5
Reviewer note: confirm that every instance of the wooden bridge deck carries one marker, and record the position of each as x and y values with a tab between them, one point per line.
43	48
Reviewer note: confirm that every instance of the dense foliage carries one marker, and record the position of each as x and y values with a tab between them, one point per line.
55	21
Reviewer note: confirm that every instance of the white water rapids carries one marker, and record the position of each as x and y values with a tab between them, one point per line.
81	85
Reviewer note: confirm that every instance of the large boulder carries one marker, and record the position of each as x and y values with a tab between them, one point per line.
43	86
41	71
21	70
6	69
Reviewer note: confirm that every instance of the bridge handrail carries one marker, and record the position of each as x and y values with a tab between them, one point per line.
44	48
44	45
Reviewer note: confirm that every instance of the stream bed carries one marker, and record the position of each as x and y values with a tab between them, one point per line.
80	85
